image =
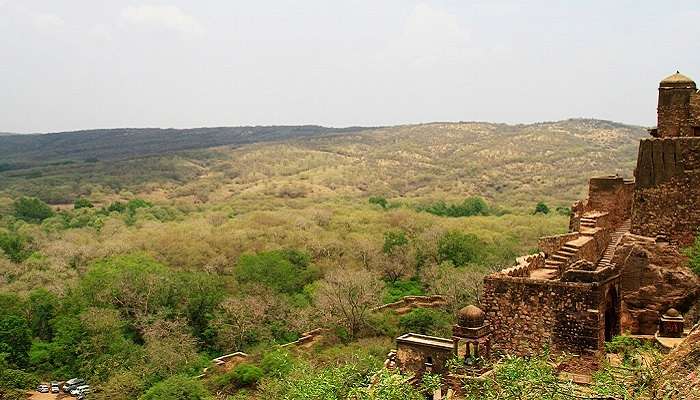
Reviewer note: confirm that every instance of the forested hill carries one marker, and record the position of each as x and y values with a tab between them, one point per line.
113	144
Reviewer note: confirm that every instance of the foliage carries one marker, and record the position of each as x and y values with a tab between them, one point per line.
396	290
82	202
393	241
423	321
31	209
624	345
470	207
380	201
388	386
177	387
15	339
541	208
15	246
43	306
521	379
242	375
286	271
459	248
277	363
694	254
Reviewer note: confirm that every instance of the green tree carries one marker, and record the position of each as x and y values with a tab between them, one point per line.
31	209
541	208
177	387
15	246
42	309
394	240
82	203
459	248
15	339
286	271
423	321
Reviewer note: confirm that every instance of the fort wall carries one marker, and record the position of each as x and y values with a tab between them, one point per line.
530	315
667	194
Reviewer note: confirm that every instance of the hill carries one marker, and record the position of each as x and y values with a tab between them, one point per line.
510	164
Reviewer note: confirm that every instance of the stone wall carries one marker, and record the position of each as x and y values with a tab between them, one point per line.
525	264
676	113
550	244
654	277
528	316
608	194
413	357
667	195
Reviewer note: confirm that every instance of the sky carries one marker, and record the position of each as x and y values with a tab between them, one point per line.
86	64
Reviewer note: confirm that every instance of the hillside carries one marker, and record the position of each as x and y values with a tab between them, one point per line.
509	164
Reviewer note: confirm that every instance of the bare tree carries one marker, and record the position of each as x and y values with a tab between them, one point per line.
347	296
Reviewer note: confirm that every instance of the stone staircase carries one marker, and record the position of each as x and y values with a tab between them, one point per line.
561	257
587	222
606	260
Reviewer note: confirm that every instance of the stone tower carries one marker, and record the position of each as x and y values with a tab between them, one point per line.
679	107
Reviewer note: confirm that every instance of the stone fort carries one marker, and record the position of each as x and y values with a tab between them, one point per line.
621	267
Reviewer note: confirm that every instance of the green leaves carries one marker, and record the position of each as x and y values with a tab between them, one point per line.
31	209
286	271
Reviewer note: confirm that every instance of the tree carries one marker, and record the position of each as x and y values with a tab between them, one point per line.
15	246
541	208
82	203
398	258
459	248
42	309
286	271
423	321
177	387
31	209
347	296
170	349
15	339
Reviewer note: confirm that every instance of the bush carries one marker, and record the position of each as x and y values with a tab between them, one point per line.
177	387
286	271
469	207
277	363
694	254
459	248
423	321
624	345
380	201
393	239
15	246
400	288
31	209
82	203
243	375
541	208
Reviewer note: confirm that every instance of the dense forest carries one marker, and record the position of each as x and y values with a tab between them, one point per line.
134	273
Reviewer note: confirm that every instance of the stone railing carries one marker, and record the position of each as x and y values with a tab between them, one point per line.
306	337
413	302
525	264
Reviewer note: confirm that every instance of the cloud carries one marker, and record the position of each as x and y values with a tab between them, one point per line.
48	22
163	16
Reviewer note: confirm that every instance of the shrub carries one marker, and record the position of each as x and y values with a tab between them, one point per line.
243	375
624	345
393	239
400	288
15	246
277	363
31	209
177	387
82	203
471	206
286	271
694	254
423	321
380	201
459	248
541	208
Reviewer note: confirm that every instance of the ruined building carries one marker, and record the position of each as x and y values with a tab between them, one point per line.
621	267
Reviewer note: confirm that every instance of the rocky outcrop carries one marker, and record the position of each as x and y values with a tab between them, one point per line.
655	277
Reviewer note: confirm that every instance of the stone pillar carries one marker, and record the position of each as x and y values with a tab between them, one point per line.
671	324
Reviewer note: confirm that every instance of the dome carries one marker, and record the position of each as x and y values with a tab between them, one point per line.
471	317
673	313
677	80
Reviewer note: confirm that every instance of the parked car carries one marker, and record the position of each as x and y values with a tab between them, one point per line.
55	387
72	384
42	388
80	390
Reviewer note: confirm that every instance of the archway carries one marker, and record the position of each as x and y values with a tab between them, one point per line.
612	314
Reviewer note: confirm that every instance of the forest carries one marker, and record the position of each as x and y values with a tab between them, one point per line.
135	273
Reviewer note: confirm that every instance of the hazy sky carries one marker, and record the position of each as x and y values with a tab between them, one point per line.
80	64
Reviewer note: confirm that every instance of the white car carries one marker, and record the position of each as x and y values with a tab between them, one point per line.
84	389
42	388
